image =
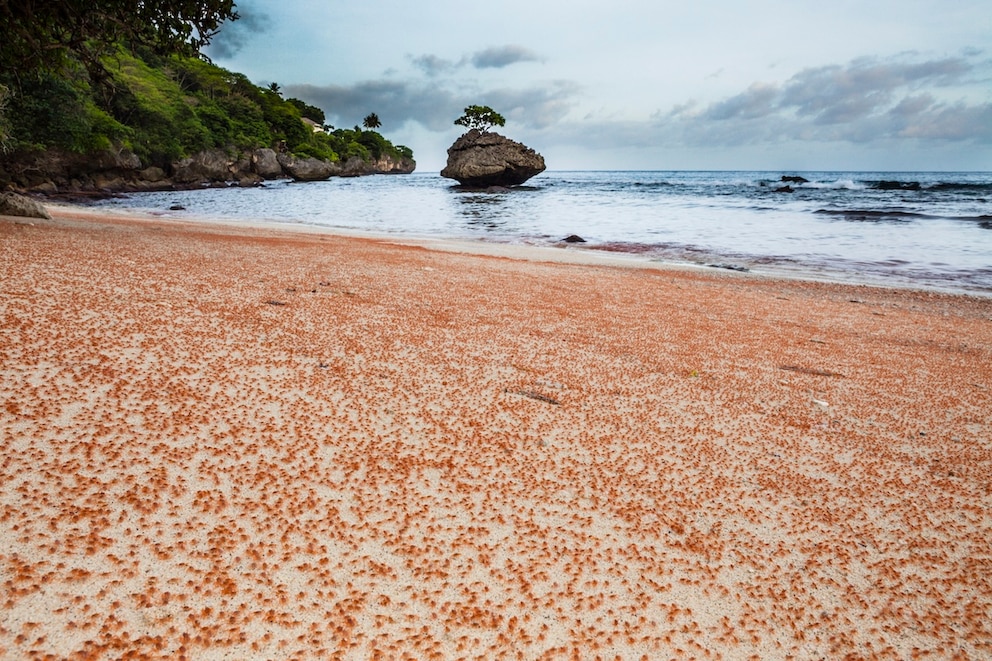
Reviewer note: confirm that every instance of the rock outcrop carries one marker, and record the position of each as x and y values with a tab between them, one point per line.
897	185
119	171
388	165
12	204
265	163
214	165
307	168
482	159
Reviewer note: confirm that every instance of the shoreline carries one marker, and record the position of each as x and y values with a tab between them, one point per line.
237	441
562	253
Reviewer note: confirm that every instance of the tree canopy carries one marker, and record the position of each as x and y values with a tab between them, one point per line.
86	75
371	121
482	118
163	109
45	34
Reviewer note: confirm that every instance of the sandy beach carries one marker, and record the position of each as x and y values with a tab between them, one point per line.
248	443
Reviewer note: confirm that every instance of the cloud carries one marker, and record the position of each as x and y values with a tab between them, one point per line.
496	57
434	105
872	105
757	101
535	107
953	123
867	100
842	94
502	56
394	101
234	35
433	65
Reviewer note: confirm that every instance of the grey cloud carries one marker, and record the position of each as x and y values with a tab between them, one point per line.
496	57
953	123
758	101
433	105
233	36
394	101
864	103
686	109
535	107
502	56
913	105
867	100
842	93
433	65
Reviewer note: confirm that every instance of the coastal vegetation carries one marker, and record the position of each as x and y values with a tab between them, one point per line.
55	36
166	107
480	118
371	121
107	85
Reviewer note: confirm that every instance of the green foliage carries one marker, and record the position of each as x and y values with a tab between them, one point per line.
51	110
53	36
373	142
346	144
227	103
165	122
164	108
310	112
284	120
105	131
54	111
482	118
321	145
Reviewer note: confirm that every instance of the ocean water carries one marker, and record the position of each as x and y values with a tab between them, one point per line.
926	230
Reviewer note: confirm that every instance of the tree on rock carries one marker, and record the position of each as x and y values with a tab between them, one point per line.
482	118
371	121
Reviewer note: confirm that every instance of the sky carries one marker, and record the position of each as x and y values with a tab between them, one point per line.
644	84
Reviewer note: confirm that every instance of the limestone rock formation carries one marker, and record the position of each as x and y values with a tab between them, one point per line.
85	176
308	168
206	166
386	164
265	163
481	159
12	204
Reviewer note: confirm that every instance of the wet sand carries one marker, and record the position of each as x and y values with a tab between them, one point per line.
227	442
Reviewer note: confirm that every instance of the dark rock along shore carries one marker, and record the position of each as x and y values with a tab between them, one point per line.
119	171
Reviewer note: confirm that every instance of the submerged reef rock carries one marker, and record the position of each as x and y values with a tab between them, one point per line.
481	159
897	185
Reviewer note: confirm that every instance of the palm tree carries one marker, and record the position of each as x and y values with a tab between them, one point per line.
371	121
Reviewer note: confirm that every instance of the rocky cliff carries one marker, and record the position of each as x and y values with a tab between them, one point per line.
55	172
